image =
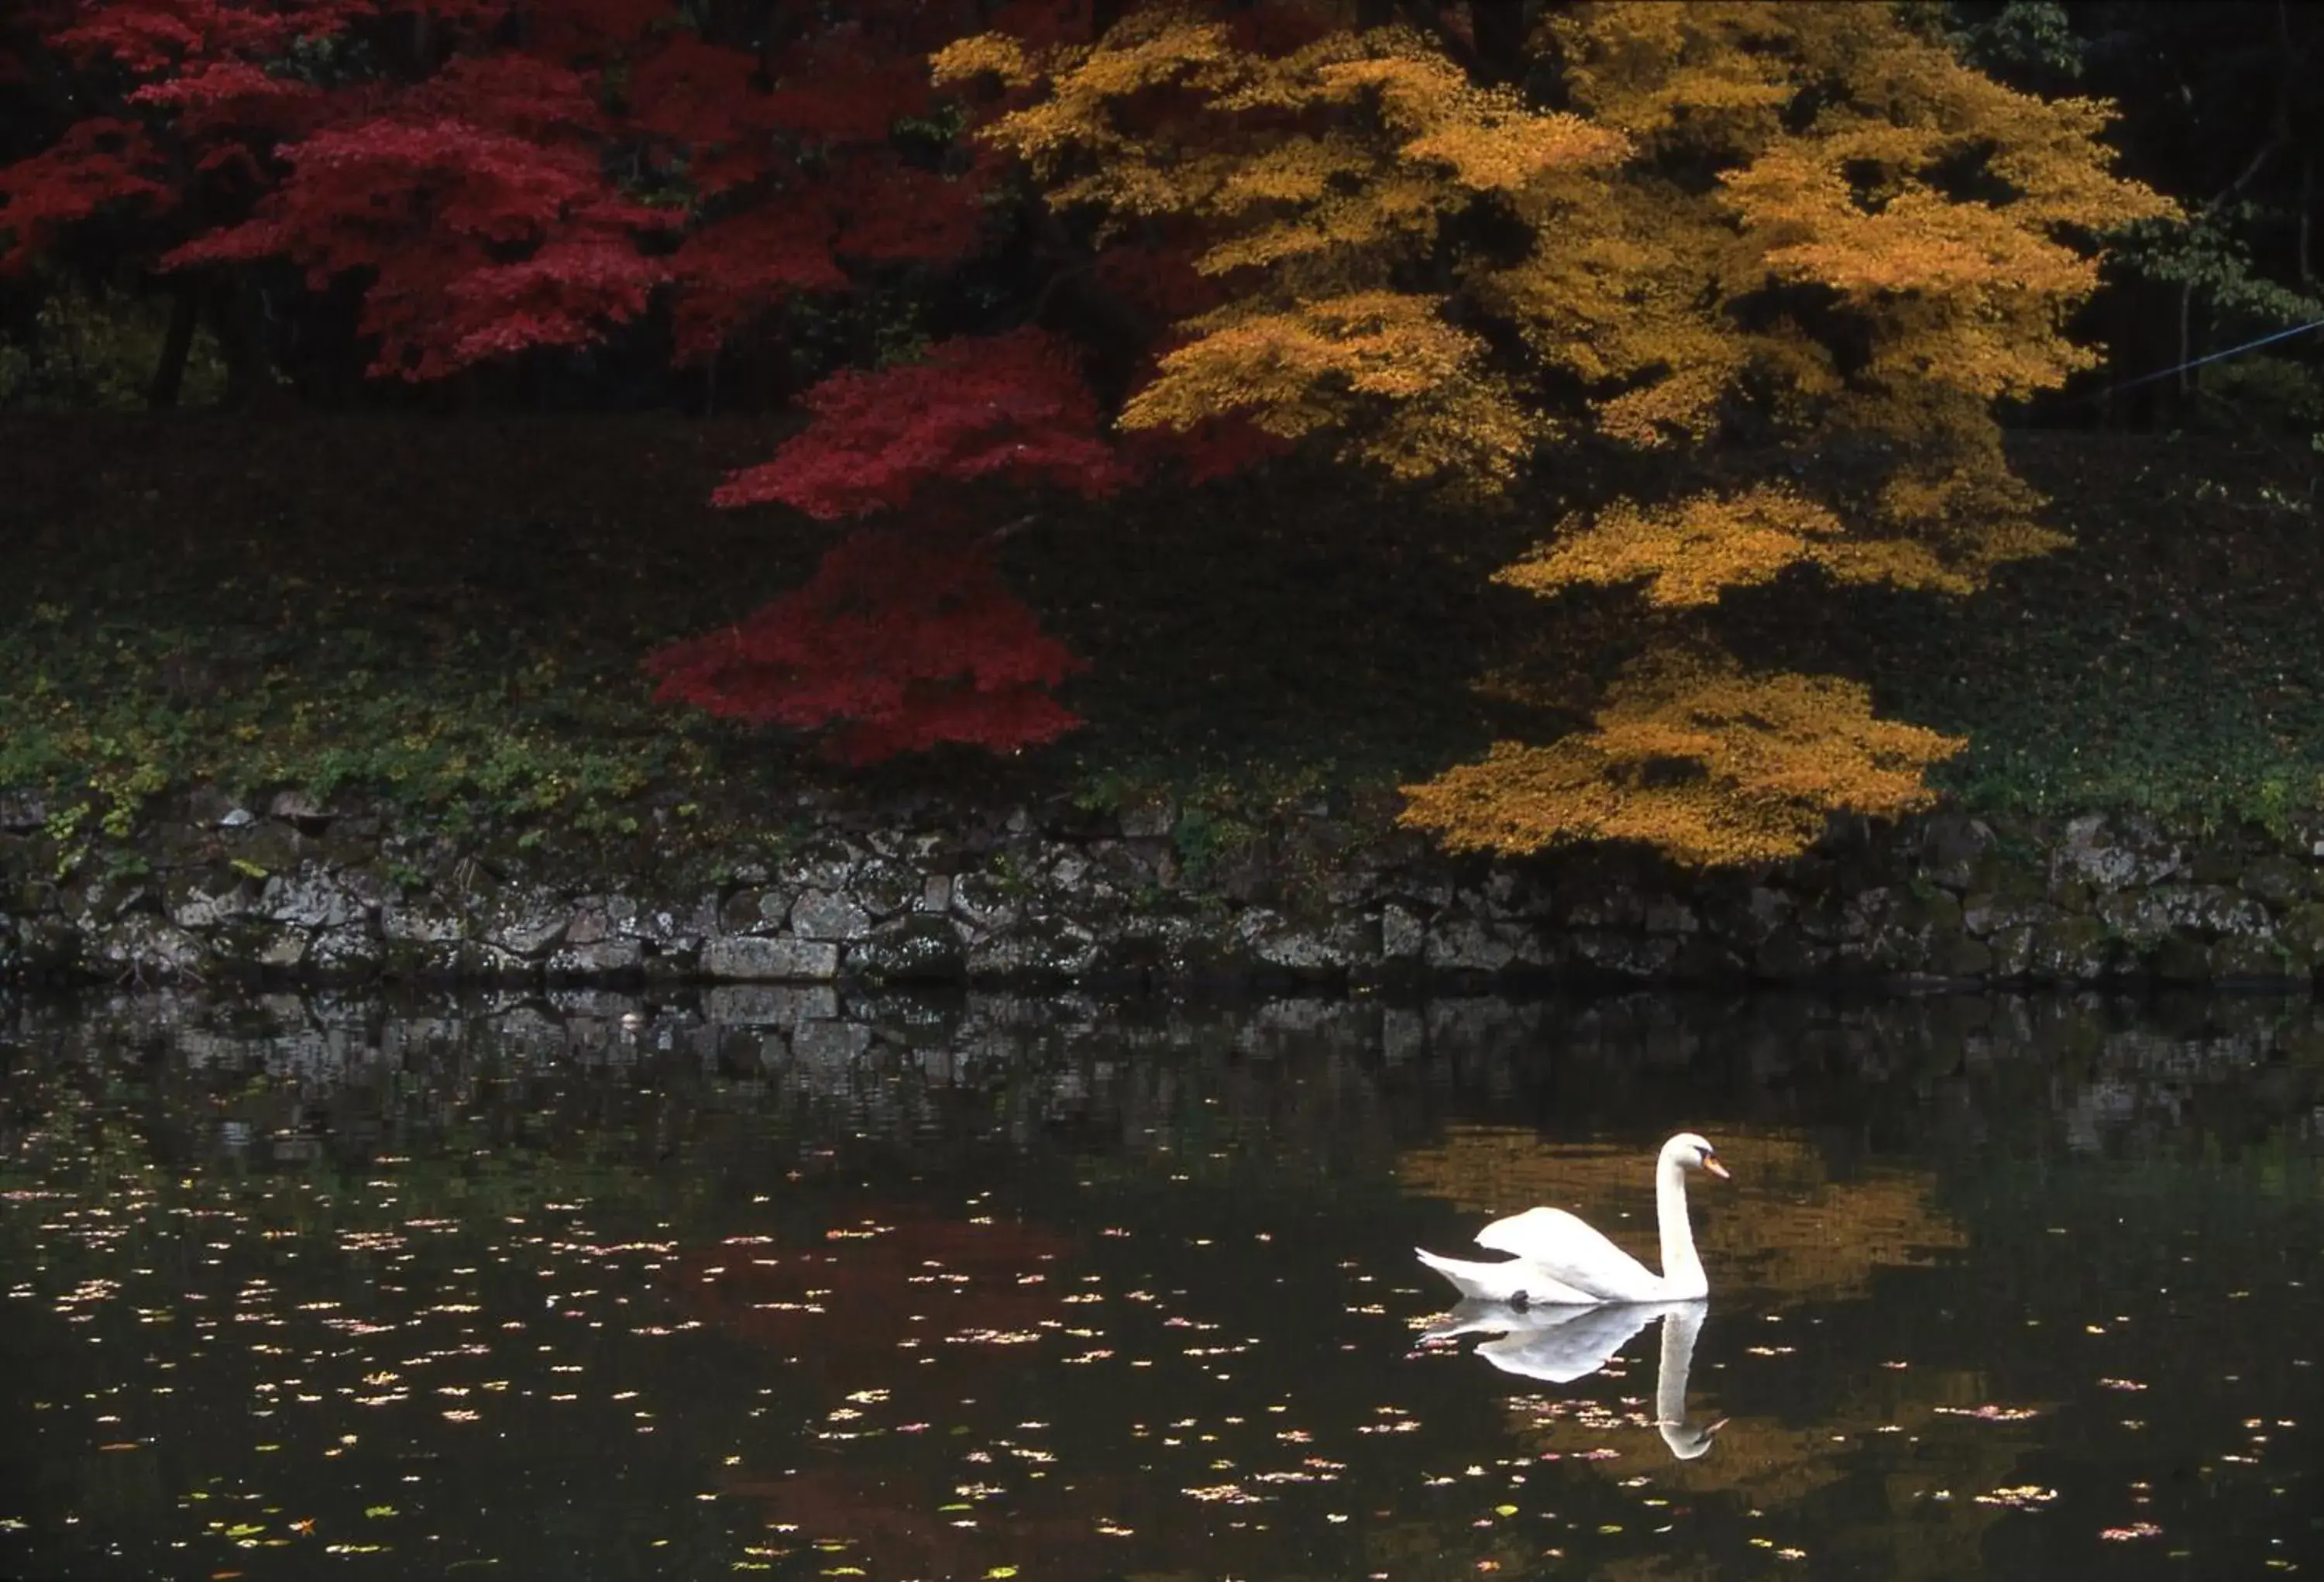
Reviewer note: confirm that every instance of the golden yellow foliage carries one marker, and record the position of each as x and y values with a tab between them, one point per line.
1691	552
1686	553
1691	756
1802	221
1386	141
1295	371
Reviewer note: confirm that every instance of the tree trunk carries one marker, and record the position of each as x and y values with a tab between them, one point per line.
2186	342
241	321
1500	32
178	344
2307	218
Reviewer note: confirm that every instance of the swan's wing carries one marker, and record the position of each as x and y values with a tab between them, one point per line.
1576	1345
1571	1252
1537	1231
1511	1280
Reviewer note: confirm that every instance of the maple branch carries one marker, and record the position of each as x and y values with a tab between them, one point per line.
2278	118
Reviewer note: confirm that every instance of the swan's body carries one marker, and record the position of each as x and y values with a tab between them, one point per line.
1557	1259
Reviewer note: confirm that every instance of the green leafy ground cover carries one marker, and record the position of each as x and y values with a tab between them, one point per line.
452	614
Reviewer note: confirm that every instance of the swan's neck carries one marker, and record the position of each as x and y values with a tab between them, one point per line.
1683	1276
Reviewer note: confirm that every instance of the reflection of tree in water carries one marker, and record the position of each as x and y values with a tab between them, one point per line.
899	1278
941	1441
910	1320
1786	1225
1863	1477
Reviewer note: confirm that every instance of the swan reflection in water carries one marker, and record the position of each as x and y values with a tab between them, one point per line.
1559	1345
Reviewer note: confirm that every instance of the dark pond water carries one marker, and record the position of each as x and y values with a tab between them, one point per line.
773	1284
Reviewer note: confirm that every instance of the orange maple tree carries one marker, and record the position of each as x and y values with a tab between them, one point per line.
1803	241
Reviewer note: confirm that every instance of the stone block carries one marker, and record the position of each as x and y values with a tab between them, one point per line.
1952	846
1787	958
2204	911
883	887
308	898
1402	938
2301	932
2247	958
597	960
1040	948
1466	944
2074	950
984	902
2111	855
1644	958
751	958
818	914
918	948
525	924
2278	879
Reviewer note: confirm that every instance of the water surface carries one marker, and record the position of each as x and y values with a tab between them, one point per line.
585	1287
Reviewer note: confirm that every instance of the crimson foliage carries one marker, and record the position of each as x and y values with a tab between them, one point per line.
494	178
1011	407
903	639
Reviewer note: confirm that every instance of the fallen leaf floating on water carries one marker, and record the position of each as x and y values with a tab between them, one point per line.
1989	1412
1226	1492
2024	1497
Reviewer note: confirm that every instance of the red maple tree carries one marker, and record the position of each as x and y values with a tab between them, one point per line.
503	176
494	179
905	637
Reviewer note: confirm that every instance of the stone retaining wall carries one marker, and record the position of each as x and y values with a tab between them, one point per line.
291	889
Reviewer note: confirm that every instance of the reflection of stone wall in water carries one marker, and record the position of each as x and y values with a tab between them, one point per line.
901	1069
1793	1232
322	894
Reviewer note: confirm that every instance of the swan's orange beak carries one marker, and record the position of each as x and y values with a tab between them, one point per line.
1711	1162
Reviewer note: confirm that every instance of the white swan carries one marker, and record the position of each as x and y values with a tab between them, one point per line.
1557	1259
